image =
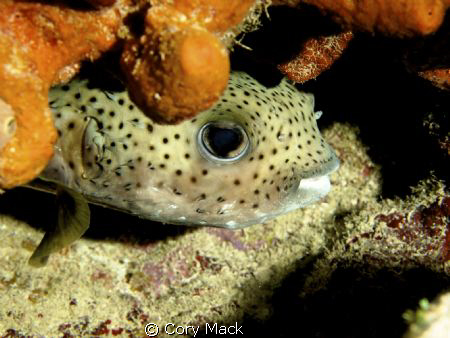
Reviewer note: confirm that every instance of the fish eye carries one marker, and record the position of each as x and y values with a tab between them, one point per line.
222	141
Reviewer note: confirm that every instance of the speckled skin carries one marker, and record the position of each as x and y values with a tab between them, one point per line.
112	153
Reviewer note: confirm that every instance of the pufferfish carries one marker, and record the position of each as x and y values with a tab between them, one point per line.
255	154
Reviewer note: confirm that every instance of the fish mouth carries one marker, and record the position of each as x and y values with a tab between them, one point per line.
312	189
308	191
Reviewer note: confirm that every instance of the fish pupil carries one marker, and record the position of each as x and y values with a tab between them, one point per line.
223	141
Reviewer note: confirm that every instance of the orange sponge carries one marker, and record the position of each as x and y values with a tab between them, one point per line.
394	17
175	69
179	66
37	42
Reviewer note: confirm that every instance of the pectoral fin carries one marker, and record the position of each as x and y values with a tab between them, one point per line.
73	221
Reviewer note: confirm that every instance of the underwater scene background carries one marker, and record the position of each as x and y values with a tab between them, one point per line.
349	265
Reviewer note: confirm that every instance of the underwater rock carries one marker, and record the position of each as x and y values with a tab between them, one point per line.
403	233
118	285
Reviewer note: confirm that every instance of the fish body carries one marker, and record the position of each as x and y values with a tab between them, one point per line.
255	154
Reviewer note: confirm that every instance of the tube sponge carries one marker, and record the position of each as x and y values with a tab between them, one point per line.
175	69
392	17
40	44
179	66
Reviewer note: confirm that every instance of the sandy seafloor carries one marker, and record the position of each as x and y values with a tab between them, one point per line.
336	268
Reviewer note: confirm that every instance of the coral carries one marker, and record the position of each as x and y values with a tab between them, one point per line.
415	231
430	320
430	59
179	66
439	129
316	56
439	77
393	17
395	234
37	42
